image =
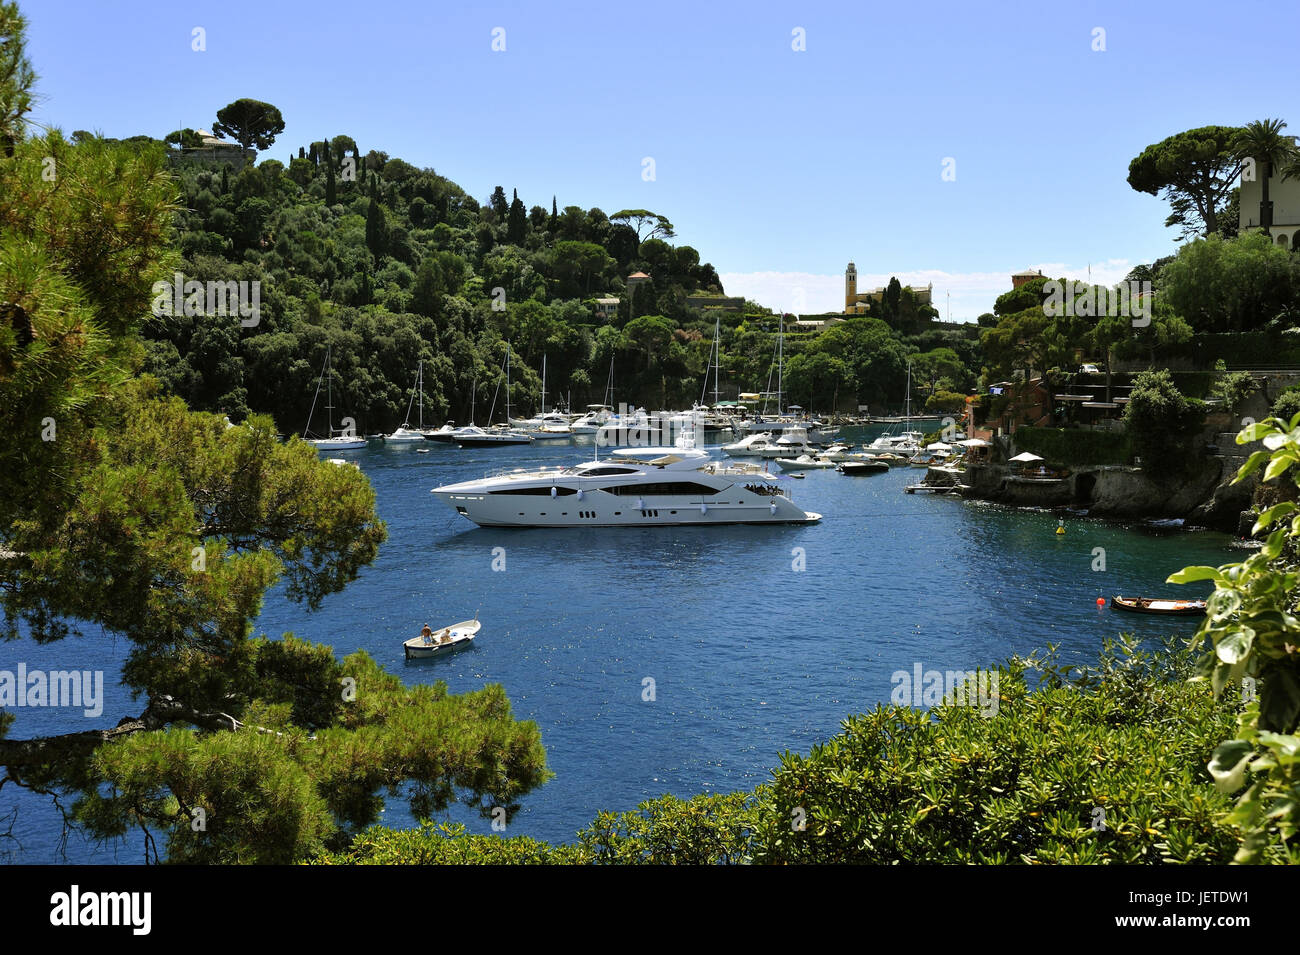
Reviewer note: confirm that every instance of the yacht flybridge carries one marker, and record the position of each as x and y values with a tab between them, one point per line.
633	486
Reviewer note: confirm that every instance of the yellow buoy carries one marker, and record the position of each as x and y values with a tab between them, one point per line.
1060	527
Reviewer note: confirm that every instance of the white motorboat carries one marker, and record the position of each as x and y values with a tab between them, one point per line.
749	446
472	436
590	422
805	462
837	453
792	443
633	487
906	444
445	434
438	642
337	439
554	427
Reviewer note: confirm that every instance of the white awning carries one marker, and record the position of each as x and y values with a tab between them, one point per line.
974	443
1025	457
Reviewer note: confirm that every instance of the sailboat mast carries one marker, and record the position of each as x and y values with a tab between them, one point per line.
717	357
420	375
543	384
908	407
780	366
329	391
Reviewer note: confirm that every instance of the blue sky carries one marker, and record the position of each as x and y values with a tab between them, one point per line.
778	165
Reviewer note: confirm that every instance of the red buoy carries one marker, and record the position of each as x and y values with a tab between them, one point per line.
1101	601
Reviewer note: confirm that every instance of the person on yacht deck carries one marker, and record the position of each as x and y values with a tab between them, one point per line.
427	634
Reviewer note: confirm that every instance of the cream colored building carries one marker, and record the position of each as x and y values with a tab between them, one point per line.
1285	196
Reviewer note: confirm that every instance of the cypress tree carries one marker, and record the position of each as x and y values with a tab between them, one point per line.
375	228
555	216
516	225
331	188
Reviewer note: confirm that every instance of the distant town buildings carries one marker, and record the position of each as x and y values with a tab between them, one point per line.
708	302
214	149
859	303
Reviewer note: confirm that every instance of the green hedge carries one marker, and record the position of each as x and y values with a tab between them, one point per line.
1074	446
1245	348
1194	384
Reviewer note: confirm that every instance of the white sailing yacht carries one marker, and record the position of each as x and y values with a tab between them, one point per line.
342	439
908	442
406	433
472	436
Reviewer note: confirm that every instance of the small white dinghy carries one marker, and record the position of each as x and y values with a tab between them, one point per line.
446	640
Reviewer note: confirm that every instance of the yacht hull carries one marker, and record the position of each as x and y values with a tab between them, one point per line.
486	513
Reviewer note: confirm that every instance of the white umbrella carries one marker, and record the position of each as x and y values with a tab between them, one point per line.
974	443
938	446
1025	457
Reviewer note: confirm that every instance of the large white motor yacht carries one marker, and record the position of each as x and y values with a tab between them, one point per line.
631	487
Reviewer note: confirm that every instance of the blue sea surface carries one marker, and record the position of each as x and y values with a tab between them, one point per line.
754	640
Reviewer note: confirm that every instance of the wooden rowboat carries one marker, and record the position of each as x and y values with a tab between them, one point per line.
458	637
1177	608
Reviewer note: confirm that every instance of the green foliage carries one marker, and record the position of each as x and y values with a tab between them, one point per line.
1234	390
16	77
1075	447
1028	296
1249	632
1287	405
447	844
271	793
127	514
1233	285
249	122
705	830
1161	423
953	786
1194	171
956	784
949	402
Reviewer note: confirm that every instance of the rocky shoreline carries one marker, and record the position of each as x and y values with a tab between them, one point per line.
1207	498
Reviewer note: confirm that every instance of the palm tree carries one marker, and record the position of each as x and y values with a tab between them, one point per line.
1263	142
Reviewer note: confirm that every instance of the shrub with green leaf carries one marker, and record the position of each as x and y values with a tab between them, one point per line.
1252	633
1105	764
1162	423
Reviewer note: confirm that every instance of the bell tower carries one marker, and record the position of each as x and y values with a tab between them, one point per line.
850	287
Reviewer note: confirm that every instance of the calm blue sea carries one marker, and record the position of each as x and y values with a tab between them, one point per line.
748	655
